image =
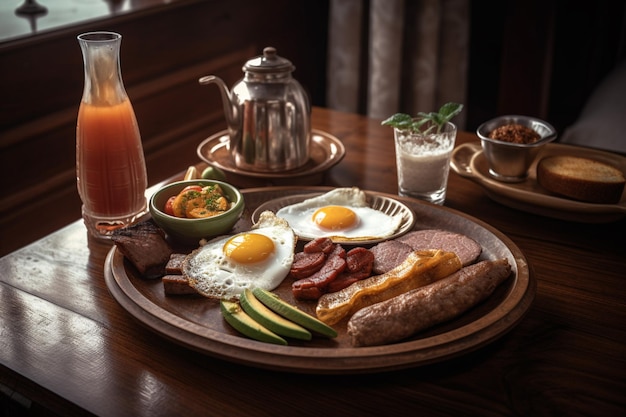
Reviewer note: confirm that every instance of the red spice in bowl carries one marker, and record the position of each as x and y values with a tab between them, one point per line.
514	133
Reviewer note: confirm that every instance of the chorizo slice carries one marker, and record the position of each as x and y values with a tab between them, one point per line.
334	265
306	264
359	263
320	244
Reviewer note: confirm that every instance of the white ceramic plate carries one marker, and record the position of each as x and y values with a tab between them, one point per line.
376	201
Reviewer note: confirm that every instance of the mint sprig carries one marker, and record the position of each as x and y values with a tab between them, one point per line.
403	121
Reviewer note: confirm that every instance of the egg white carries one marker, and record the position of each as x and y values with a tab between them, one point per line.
215	275
372	224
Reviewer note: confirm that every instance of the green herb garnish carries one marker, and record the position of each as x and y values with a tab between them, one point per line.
403	121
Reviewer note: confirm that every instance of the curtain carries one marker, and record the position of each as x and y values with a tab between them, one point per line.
390	56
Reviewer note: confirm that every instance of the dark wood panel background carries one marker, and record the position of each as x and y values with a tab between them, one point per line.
537	57
164	52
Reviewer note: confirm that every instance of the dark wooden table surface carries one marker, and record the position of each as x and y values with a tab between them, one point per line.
67	345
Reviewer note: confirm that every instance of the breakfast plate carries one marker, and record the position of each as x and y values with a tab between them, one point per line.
196	322
379	202
469	161
325	151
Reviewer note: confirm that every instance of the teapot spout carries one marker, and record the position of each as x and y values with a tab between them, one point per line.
231	110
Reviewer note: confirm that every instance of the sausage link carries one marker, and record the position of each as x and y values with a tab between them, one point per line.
406	314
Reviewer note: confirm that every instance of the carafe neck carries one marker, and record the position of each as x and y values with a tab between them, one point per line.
103	77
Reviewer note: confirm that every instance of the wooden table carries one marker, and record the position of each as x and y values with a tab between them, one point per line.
68	346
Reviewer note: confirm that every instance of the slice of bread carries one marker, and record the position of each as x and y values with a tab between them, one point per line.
581	178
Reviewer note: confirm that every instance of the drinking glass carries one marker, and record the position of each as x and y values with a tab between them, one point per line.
423	161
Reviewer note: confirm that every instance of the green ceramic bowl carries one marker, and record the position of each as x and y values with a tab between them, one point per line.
192	230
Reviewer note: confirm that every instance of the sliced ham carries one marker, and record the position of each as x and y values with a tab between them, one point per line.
388	255
466	248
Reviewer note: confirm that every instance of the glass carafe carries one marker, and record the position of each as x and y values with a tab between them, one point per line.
110	166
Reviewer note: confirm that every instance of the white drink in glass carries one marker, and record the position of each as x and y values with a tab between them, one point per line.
423	163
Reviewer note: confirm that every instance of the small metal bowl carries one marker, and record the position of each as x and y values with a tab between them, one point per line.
509	162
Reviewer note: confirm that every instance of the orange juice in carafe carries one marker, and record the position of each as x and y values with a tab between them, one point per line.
110	165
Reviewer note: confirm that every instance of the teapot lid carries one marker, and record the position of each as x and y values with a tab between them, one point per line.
268	62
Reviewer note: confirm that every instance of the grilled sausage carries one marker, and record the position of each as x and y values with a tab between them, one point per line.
406	314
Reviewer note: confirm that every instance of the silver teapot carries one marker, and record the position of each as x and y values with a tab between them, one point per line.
268	115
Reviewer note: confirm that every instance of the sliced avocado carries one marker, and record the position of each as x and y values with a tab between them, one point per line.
272	321
290	312
236	317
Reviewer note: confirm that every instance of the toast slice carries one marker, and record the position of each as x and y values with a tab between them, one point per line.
581	179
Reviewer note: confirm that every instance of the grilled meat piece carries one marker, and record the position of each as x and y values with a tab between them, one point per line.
144	245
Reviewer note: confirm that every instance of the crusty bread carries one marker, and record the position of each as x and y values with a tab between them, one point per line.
177	285
581	178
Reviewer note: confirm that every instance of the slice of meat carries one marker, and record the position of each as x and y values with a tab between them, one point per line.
466	248
388	255
306	264
177	285
311	288
308	293
406	314
175	264
342	281
321	244
144	245
359	263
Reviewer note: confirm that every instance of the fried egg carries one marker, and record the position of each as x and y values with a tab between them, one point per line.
341	214
261	257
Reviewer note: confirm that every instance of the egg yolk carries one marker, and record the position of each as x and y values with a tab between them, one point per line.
335	217
249	248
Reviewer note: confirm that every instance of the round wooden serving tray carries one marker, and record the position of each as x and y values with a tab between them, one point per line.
196	322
